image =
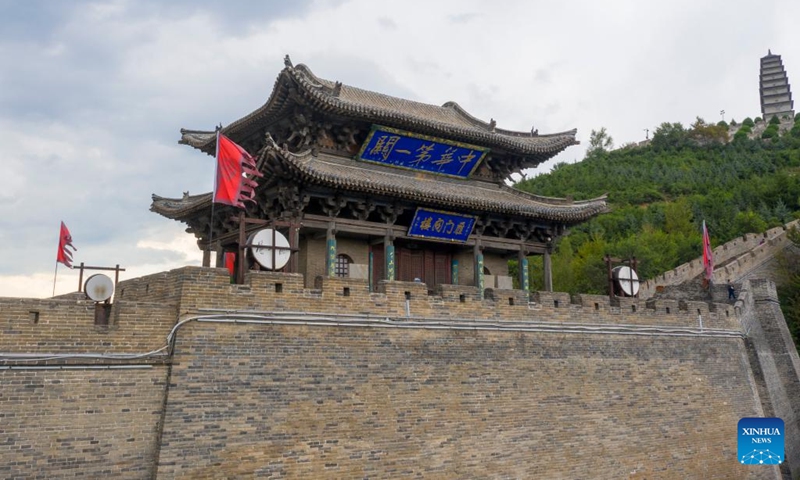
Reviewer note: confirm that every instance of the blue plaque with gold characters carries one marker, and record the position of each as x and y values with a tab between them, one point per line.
400	149
439	225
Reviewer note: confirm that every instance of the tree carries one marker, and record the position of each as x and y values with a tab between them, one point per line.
788	270
599	142
770	132
749	222
669	135
678	218
702	133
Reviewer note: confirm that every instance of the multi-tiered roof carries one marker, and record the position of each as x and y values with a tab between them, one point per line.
309	132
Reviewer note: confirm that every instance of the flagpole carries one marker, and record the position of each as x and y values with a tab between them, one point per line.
55	274
213	195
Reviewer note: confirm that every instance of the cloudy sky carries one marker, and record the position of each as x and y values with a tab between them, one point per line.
93	93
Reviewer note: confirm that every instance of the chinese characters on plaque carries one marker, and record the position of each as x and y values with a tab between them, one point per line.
441	225
400	149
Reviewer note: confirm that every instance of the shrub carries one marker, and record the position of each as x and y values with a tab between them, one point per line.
758	120
748	122
770	132
740	135
722	124
733	122
774	120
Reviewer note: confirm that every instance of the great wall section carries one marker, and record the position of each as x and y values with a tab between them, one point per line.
194	377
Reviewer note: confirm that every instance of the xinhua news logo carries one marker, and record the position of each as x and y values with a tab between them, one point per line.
761	441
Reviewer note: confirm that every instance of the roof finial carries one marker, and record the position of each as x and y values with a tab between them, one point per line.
287	62
769	51
492	124
337	89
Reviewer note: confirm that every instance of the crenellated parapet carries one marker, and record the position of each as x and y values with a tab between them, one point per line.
147	308
733	260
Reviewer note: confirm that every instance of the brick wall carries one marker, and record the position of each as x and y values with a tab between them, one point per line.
297	401
68	325
453	385
210	288
779	363
80	423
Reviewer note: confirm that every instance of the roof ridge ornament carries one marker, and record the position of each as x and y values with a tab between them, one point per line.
492	124
287	62
337	89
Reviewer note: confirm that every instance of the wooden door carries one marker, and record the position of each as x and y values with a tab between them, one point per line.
430	266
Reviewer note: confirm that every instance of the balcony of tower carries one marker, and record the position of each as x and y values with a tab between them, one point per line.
773	76
774	90
772	70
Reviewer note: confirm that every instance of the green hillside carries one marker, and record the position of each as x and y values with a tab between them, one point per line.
660	194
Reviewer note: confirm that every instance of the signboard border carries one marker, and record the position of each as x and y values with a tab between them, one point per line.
440	239
375	127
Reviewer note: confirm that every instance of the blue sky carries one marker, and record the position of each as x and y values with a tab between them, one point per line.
93	94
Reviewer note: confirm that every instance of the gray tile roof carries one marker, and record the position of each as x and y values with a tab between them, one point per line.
448	121
457	194
467	196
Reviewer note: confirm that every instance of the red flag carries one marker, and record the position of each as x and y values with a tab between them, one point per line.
708	259
65	240
233	164
230	261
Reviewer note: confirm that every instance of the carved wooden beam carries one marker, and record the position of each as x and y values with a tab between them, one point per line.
332	206
362	209
389	213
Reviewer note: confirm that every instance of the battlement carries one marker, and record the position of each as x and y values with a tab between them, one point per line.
733	260
145	309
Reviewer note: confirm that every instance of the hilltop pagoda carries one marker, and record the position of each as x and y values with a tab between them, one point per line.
776	94
371	186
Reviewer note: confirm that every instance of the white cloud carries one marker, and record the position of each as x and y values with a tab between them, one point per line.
90	113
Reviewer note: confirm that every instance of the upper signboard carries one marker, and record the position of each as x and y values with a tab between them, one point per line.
401	149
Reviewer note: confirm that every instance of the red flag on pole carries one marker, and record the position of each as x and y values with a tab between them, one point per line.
708	259
65	240
230	262
233	186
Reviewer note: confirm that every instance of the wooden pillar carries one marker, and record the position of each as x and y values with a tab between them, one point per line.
240	254
220	262
479	280
548	272
390	263
330	256
294	244
370	278
207	256
524	277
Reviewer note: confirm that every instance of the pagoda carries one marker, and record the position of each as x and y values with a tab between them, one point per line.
371	186
776	94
